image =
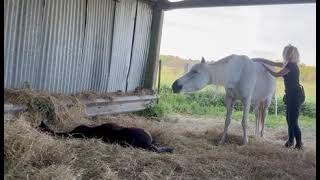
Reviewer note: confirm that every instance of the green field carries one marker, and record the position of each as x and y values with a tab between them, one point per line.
209	102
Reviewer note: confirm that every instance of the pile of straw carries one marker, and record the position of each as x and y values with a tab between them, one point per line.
30	154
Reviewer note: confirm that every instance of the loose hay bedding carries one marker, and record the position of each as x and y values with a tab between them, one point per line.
30	154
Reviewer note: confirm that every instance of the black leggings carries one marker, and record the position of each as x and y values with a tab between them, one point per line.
292	115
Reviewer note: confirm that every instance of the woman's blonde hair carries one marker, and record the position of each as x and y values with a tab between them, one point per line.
290	54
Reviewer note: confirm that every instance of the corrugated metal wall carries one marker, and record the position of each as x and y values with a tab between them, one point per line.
122	44
140	47
22	39
97	48
64	23
71	46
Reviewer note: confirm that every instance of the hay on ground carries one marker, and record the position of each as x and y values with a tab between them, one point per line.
30	154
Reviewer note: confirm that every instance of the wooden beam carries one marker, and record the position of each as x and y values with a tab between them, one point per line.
13	108
115	108
119	100
216	3
154	48
98	106
118	105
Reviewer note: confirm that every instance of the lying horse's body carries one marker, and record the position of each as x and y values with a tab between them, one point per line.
112	133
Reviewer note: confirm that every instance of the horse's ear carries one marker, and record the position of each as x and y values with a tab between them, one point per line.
203	60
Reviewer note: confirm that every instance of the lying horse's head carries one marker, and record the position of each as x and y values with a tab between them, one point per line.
196	79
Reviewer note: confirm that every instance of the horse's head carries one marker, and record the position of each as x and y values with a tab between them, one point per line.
196	79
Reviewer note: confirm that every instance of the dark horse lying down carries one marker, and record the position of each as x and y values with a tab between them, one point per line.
112	133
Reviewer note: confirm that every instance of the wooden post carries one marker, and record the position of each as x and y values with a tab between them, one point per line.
276	105
159	80
154	47
186	68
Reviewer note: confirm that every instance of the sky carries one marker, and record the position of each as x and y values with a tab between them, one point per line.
255	31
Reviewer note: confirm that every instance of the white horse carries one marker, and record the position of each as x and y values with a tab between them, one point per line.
242	79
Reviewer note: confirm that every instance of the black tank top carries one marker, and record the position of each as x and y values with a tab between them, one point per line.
291	80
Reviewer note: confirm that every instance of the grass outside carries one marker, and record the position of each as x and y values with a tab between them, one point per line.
209	102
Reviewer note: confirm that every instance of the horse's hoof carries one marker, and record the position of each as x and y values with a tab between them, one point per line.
222	142
256	134
245	142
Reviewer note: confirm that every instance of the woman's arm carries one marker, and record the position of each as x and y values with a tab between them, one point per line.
271	63
280	73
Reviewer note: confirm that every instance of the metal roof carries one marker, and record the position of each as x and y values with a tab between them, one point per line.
167	5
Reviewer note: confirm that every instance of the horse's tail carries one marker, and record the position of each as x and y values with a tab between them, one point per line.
44	128
161	149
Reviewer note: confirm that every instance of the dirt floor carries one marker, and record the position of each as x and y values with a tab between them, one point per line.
30	154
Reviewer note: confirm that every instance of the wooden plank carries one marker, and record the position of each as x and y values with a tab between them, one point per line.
13	108
154	48
116	108
217	3
120	100
99	106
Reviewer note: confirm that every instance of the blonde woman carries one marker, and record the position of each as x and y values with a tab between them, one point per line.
294	93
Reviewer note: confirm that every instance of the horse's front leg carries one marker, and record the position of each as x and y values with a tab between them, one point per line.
229	101
246	107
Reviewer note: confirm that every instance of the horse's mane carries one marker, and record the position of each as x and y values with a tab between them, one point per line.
223	60
217	70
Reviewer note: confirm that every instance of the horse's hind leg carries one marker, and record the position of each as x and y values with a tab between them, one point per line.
81	131
229	105
246	107
264	113
257	113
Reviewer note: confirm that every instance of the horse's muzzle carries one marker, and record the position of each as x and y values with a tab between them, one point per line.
176	87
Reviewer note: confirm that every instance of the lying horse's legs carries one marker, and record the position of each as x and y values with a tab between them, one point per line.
229	105
246	108
160	149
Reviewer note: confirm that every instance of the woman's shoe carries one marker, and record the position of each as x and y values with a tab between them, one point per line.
299	146
288	144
